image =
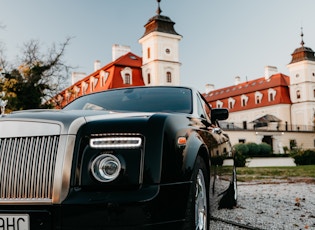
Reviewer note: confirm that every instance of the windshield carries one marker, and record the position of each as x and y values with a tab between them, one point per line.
142	99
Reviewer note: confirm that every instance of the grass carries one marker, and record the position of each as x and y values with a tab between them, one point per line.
246	174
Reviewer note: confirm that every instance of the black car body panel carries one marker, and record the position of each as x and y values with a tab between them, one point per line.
62	190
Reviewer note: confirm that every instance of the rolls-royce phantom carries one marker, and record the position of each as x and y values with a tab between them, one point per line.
128	158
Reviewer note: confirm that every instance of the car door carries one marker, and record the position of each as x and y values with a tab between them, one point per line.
219	148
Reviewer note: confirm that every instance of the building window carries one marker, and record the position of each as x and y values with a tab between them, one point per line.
126	75
167	51
168	77
258	97
241	141
297	75
149	78
149	52
271	94
298	94
293	144
244	125
244	100
231	103
127	78
219	104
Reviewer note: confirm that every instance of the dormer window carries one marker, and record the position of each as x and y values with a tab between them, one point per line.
126	75
219	104
244	100
271	94
103	77
231	103
258	97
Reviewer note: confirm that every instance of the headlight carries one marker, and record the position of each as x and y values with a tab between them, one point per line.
106	168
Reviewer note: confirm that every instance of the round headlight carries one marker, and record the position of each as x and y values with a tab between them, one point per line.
106	168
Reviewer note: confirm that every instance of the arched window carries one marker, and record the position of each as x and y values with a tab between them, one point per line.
298	94
149	78
168	77
258	97
271	94
149	52
231	103
244	100
126	75
219	104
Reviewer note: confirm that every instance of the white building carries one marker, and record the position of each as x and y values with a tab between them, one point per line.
276	109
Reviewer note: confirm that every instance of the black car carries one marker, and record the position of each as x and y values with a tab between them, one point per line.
128	158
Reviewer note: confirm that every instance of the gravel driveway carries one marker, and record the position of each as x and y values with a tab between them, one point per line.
272	205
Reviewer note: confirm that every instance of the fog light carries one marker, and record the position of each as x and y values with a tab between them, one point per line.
106	168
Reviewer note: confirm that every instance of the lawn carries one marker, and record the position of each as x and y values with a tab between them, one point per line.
259	173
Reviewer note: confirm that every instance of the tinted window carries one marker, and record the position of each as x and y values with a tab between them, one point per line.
142	99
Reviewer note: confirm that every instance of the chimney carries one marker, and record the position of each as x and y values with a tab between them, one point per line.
97	65
209	88
237	80
77	76
269	71
119	50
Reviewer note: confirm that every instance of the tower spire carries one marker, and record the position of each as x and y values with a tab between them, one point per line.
302	42
158	11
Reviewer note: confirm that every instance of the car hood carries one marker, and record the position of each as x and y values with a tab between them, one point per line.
55	122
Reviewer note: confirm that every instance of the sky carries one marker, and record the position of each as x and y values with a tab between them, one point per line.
221	39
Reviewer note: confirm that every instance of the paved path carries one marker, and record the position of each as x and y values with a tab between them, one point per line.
266	162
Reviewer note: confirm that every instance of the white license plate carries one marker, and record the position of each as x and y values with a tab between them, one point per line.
14	221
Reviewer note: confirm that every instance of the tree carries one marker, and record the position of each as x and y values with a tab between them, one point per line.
37	77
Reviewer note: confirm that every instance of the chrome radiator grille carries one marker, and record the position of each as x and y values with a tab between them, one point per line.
27	166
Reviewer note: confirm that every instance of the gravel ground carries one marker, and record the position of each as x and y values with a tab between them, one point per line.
272	205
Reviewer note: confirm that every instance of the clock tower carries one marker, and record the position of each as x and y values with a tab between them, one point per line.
302	86
160	51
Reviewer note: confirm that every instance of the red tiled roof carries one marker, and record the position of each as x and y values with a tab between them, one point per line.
278	82
113	80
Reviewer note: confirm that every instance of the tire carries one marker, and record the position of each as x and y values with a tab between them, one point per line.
197	212
229	199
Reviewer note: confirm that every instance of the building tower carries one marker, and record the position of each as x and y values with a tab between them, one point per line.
302	87
160	48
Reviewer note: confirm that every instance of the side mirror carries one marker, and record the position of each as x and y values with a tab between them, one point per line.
219	114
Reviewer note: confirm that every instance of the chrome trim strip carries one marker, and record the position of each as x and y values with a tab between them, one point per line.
14	128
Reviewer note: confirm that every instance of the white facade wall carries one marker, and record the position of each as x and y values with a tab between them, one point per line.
163	58
281	111
303	140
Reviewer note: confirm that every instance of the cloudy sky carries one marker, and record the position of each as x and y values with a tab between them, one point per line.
221	38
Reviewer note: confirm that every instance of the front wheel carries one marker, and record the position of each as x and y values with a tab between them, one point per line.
197	214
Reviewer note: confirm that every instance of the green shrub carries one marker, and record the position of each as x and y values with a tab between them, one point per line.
239	159
265	149
306	157
241	152
253	149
